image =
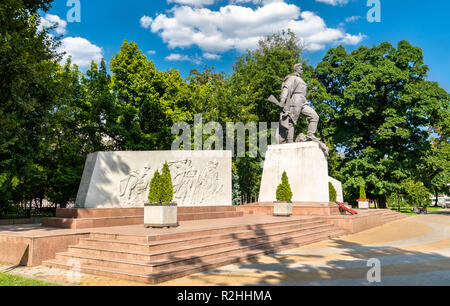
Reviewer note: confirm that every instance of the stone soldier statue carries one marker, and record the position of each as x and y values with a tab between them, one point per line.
293	103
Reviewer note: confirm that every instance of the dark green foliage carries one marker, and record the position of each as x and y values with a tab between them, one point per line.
376	107
284	193
333	193
237	199
161	188
28	94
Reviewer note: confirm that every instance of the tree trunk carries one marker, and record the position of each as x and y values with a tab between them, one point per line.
382	201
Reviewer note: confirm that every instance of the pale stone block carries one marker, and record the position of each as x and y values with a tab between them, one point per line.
282	209
338	186
306	168
122	179
160	215
363	204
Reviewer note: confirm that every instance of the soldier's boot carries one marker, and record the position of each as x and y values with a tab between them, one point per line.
312	130
313	122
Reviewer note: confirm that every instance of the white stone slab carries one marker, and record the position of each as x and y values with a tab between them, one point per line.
282	209
338	186
160	215
306	168
122	179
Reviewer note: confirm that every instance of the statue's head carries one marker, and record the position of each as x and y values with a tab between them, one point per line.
298	68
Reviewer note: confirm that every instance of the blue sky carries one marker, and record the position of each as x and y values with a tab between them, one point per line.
186	34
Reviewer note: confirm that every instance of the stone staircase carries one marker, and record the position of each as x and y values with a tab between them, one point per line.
159	258
390	215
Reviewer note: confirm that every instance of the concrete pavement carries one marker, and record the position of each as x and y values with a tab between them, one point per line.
412	251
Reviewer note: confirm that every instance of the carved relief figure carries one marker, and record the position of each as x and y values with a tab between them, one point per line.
209	183
192	185
183	179
134	187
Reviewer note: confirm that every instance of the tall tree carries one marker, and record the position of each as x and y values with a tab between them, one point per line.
148	101
380	105
27	64
95	110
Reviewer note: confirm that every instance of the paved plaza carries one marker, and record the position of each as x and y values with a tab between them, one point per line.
412	251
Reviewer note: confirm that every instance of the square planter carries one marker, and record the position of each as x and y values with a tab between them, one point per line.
161	215
363	203
282	209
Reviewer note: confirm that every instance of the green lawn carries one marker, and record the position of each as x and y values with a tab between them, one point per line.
14	280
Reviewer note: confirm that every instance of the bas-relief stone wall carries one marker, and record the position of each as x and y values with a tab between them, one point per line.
122	179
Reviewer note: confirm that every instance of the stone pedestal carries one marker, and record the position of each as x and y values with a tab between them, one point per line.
306	168
363	204
160	215
282	209
122	179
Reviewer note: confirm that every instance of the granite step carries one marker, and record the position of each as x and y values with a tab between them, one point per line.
205	209
188	249
158	265
198	233
393	217
195	266
92	222
124	245
209	215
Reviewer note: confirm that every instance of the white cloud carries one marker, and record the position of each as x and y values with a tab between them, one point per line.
240	28
183	58
196	3
177	57
146	22
81	50
333	2
352	39
211	56
151	52
50	20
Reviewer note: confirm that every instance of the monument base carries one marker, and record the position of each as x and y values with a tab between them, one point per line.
363	204
82	218
306	168
282	209
160	215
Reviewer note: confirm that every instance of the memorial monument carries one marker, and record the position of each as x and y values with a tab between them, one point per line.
305	160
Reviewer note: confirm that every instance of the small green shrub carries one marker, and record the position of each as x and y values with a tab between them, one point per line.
166	191
284	192
153	196
333	193
362	192
161	188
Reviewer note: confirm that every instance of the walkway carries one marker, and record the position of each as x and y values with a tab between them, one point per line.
413	251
